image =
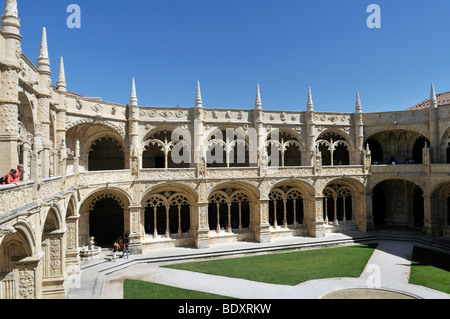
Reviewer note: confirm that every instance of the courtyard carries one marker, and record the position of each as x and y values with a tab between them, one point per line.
384	276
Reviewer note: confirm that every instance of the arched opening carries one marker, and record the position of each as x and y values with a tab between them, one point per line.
397	203
229	211
448	209
13	250
338	204
418	207
106	220
167	214
376	151
283	149
334	149
417	150
397	147
448	151
106	153
228	147
286	207
158	148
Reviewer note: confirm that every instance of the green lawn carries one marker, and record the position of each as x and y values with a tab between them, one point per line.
136	289
431	269
290	268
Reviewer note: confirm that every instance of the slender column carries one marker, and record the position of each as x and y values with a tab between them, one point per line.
155	232
229	230
240	216
295	214
284	214
218	218
335	210
179	220
345	217
326	210
275	214
167	235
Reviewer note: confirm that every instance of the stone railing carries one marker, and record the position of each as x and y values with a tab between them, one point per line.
13	196
440	168
397	169
151	174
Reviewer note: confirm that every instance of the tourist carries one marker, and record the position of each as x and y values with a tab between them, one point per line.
19	173
125	246
114	250
10	177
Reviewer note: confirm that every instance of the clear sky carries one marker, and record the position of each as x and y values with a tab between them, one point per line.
231	45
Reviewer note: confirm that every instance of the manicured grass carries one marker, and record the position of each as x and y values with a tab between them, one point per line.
289	268
136	289
431	269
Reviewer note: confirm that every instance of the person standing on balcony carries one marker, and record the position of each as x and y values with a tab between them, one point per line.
19	173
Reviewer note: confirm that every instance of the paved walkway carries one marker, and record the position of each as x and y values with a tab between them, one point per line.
388	269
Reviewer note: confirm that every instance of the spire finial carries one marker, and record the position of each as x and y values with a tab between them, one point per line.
61	83
10	20
310	105
43	62
258	104
358	107
433	99
133	95
198	96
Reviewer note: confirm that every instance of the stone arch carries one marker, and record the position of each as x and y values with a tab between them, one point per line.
399	146
335	147
169	210
110	219
440	202
344	203
397	202
105	153
445	147
87	133
230	146
232	207
15	248
26	131
287	143
158	144
53	261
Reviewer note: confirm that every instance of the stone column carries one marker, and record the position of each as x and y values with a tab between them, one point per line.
54	261
9	84
262	233
317	229
72	256
136	223
202	236
369	212
9	106
432	223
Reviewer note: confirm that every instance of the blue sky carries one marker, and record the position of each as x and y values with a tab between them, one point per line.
231	45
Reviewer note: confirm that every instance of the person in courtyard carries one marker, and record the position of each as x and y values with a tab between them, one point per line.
125	246
115	249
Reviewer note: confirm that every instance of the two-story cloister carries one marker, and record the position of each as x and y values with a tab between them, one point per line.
198	176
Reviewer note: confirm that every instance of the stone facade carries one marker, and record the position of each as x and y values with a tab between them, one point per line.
304	173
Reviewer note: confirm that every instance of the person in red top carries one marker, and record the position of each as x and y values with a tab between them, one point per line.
19	173
10	177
